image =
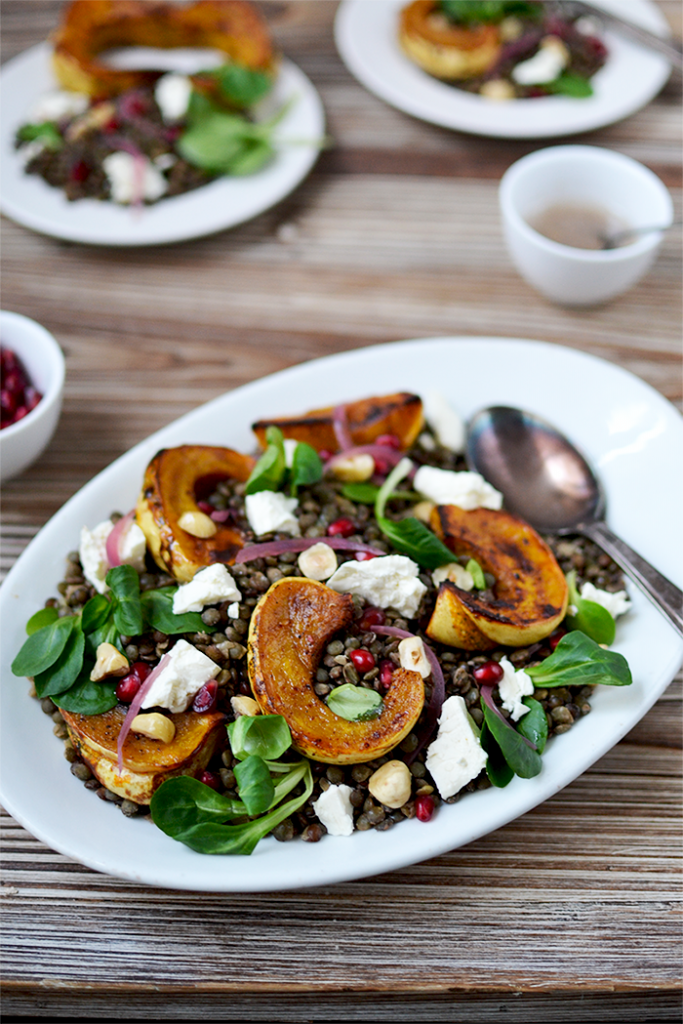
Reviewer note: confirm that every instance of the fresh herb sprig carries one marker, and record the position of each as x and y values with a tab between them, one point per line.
591	618
271	472
206	821
466	12
409	535
45	133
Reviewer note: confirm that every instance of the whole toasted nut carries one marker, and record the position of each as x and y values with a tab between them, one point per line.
319	562
244	706
391	784
456	573
93	118
423	510
198	524
110	662
354	469
155	726
413	657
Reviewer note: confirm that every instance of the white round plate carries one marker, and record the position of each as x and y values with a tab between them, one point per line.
222	204
366	37
633	437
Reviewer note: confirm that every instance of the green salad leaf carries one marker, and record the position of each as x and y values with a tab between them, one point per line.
591	618
124	584
466	12
307	467
157	609
65	670
519	755
499	772
43	647
46	133
579	661
569	84
477	574
255	784
269	472
409	535
44	617
268	736
240	85
534	724
354	703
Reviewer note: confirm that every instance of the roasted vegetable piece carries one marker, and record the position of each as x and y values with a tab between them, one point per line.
146	762
90	27
175	480
399	414
290	627
530	593
444	49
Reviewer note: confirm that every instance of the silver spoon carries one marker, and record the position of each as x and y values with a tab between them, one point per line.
616	238
545	480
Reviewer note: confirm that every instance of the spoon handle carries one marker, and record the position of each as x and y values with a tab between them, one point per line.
661	591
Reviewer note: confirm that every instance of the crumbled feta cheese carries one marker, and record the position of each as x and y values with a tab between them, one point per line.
186	671
447	425
57	106
454	572
334	809
93	552
165	161
388	581
466	490
172	93
271	511
208	586
132	178
413	657
234	611
456	756
546	64
512	688
588	26
616	604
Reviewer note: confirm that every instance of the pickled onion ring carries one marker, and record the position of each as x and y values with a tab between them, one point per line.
115	538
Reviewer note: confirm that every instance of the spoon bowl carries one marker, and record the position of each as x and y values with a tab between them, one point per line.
546	481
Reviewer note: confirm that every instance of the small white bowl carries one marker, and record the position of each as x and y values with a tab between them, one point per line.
22	442
590	176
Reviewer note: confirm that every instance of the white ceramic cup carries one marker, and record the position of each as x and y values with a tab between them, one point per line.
581	175
22	442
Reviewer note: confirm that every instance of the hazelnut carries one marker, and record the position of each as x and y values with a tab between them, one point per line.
454	572
319	562
155	726
391	784
110	662
198	524
244	706
413	657
354	468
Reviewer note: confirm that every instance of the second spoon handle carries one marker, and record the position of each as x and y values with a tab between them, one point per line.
661	591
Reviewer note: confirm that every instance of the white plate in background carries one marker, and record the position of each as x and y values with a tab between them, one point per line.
634	439
367	39
224	203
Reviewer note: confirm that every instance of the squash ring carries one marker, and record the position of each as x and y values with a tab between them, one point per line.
444	50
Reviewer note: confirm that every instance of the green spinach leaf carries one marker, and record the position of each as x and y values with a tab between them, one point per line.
42	618
86	697
415	539
182	803
534	724
96	613
254	784
522	759
572	85
46	133
268	736
499	772
307	467
157	610
354	703
241	85
64	672
124	583
579	661
269	471
591	618
43	647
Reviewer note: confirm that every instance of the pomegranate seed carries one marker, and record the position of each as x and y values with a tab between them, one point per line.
424	807
205	699
127	688
205	507
79	172
32	397
386	673
324	454
8	360
382	466
210	779
20	413
389	441
8	403
363	661
364	556
14	382
341	528
372	617
555	638
112	125
489	673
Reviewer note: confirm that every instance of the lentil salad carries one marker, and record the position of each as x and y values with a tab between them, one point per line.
362	655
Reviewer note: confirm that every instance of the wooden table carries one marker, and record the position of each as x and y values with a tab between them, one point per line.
566	914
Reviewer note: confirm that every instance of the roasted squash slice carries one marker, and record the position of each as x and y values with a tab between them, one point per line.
290	627
89	27
146	763
530	594
399	414
443	49
174	481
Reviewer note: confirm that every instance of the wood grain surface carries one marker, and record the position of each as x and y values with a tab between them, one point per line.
569	913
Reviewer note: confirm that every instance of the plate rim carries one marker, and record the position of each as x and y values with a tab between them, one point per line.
303	159
453	114
185	876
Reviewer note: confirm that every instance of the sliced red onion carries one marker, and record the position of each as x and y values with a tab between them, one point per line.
279	547
340	422
135	705
438	689
220	515
115	539
487	697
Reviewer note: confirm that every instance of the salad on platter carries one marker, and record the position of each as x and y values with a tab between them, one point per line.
341	632
503	49
135	137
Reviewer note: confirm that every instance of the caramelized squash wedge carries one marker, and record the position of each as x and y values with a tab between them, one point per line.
399	414
290	628
442	48
530	594
175	480
89	27
146	763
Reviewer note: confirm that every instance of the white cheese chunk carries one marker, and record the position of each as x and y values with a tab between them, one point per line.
181	678
456	756
172	93
512	688
234	611
58	106
334	809
545	65
208	586
388	581
132	178
454	572
616	604
271	512
466	490
93	552
447	425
